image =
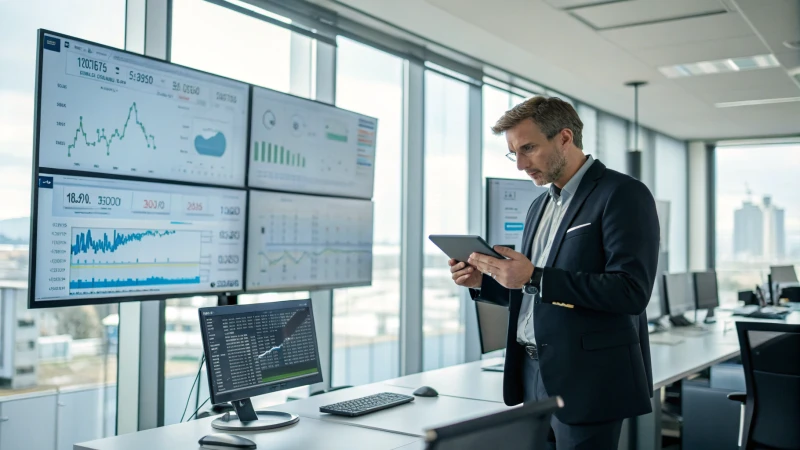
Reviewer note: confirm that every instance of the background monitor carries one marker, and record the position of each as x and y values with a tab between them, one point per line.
507	204
113	112
256	349
99	240
705	289
679	293
300	145
492	326
783	274
656	307
307	242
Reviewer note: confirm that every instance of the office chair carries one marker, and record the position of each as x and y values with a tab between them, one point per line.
770	408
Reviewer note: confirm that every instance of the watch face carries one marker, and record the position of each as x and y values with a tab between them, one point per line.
531	290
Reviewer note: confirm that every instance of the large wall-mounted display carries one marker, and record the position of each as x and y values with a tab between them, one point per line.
103	239
299	145
113	112
305	242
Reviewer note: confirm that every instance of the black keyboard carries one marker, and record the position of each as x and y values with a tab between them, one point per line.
768	315
365	405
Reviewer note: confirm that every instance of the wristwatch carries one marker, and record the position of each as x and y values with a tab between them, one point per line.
534	285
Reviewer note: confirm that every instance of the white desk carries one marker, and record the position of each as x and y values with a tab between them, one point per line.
410	419
465	391
307	434
463	381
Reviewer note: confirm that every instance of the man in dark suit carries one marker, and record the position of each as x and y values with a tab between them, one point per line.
578	291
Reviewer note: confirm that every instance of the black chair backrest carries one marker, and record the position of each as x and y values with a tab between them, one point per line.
771	360
522	428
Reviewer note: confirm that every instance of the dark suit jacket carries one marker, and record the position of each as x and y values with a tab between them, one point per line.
596	356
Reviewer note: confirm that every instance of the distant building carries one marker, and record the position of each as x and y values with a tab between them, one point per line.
748	231
759	231
774	231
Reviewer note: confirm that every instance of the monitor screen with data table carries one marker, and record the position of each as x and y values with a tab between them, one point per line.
679	293
257	349
103	240
307	242
113	112
507	205
304	146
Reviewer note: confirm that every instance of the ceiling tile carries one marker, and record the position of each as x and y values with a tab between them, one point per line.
776	20
630	13
698	29
702	51
738	86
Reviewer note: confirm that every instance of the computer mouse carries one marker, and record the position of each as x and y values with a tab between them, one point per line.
426	391
226	440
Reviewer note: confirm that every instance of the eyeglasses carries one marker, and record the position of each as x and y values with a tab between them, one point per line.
512	156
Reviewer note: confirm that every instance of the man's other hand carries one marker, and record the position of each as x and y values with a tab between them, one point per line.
511	273
464	274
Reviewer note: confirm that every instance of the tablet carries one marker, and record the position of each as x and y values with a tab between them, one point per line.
460	246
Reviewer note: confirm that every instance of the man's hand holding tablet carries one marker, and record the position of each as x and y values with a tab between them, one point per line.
471	257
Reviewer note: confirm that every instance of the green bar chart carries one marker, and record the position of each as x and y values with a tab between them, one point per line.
269	153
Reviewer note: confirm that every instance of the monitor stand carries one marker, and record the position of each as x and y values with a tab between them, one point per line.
680	321
248	419
710	316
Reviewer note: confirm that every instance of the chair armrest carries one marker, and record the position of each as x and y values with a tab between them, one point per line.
738	397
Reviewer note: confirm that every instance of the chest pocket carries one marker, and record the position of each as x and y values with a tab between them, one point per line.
579	230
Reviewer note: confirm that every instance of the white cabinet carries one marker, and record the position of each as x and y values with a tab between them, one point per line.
81	417
28	423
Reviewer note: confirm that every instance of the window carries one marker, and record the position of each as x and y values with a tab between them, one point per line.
612	142
73	348
672	185
366	320
183	350
446	150
495	164
757	214
236	46
588	116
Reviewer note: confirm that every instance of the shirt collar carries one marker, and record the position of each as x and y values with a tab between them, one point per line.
572	185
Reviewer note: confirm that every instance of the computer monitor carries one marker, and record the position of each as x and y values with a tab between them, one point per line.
655	307
783	274
257	349
111	112
301	145
492	326
102	240
305	242
680	296
523	428
507	205
706	293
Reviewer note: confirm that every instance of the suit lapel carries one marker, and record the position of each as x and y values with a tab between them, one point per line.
532	224
588	183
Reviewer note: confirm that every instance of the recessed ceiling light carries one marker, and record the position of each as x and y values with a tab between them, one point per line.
766	101
719	66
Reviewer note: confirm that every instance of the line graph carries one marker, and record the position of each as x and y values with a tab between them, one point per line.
276	348
296	241
84	241
101	134
111	258
297	257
